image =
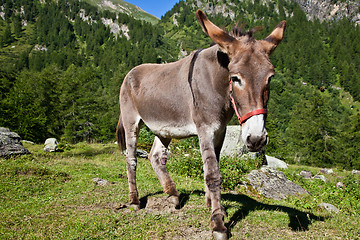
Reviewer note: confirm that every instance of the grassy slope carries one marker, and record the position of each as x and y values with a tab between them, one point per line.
53	196
9	54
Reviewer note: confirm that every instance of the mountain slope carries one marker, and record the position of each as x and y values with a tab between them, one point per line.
331	9
124	7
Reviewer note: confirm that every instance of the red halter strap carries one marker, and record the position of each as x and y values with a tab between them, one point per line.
248	115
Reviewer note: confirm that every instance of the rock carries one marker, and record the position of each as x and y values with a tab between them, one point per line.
340	185
4	129
273	184
321	177
100	182
51	145
26	141
141	153
326	171
329	207
355	172
306	174
233	144
331	10
275	163
10	144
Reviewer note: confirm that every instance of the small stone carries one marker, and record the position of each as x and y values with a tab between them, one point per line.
340	185
51	145
275	163
329	207
326	171
27	141
306	174
100	182
141	153
321	177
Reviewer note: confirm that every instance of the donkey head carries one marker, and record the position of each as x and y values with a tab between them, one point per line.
250	71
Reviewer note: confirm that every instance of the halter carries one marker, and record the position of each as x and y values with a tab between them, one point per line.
248	115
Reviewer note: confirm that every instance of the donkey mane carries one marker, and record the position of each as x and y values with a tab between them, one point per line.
238	31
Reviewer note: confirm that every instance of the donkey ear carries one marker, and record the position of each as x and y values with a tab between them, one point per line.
218	35
274	39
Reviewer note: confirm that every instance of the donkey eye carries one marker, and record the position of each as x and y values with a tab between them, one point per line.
235	78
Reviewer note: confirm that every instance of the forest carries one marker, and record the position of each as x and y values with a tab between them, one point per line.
60	73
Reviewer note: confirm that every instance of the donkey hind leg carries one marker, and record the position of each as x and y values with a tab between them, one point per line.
157	158
132	133
213	182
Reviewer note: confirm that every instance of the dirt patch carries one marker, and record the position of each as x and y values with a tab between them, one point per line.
160	204
163	205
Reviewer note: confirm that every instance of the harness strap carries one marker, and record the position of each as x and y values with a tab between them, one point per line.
248	115
191	71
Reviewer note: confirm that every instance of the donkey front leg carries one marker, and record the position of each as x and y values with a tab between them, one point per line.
158	158
213	181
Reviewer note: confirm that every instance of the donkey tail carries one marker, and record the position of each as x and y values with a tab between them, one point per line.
120	135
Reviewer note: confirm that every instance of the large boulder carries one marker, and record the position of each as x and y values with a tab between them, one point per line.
273	184
233	145
10	144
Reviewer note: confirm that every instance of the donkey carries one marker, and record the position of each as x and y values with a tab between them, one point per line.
198	95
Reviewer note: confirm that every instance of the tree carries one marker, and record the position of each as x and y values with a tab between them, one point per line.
7	37
17	25
311	135
350	137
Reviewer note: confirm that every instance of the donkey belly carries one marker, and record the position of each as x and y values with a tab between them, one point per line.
175	130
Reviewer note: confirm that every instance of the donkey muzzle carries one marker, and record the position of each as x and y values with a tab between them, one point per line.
255	143
254	134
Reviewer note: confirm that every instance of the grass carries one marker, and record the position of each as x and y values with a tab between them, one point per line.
52	196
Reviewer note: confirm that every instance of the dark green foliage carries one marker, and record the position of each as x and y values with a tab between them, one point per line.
233	170
346	198
67	83
6	37
186	158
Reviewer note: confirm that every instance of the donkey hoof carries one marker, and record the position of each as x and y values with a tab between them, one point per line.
220	235
134	207
174	200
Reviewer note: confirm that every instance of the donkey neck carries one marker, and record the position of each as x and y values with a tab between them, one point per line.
216	63
209	84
